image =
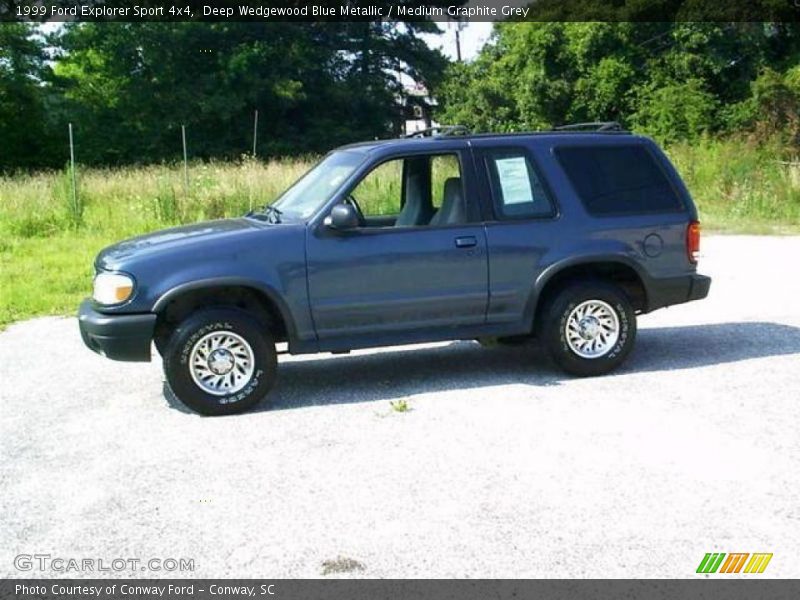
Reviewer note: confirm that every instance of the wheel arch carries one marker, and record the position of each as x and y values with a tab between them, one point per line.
615	268
179	301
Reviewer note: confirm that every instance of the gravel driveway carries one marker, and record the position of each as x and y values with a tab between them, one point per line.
503	467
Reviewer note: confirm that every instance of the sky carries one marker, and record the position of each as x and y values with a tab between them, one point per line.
473	37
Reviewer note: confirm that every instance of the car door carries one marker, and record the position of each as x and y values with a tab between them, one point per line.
384	283
522	229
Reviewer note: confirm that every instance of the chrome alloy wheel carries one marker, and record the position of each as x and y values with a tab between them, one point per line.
592	329
221	363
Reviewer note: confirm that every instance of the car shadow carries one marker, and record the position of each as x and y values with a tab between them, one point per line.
391	373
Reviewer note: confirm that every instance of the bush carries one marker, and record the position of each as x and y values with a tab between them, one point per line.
679	111
775	97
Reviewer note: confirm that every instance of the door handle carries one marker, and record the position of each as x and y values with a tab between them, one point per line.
467	241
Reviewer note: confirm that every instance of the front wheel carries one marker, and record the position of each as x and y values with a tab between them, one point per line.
220	361
589	328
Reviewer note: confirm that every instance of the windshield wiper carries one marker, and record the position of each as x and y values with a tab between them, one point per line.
273	214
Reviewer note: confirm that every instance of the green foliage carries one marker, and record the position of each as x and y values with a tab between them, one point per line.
400	406
128	88
123	202
379	192
71	196
650	11
46	263
165	203
675	81
23	135
46	258
777	101
676	111
792	80
742	185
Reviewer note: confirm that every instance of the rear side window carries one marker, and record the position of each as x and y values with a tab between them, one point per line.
618	180
517	189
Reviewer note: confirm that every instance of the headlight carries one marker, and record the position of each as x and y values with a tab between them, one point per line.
112	288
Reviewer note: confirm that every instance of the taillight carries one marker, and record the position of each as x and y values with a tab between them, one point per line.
693	241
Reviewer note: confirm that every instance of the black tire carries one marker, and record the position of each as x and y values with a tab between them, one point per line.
557	313
199	325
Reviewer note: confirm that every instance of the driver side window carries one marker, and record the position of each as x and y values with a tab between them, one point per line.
414	191
379	193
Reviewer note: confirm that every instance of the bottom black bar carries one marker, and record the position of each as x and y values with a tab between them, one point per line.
732	588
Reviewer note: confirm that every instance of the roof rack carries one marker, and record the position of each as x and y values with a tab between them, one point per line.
443	131
593	126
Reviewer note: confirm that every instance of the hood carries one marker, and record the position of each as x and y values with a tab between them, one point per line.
174	238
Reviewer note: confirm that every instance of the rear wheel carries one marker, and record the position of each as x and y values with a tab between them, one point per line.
589	328
220	361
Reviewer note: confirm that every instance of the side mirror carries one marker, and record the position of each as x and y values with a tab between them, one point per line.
342	217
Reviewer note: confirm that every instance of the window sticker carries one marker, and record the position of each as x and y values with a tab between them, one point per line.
514	180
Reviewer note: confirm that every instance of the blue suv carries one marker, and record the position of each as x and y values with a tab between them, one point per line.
564	236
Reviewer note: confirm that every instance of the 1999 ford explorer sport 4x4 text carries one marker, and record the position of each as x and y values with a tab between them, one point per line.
565	236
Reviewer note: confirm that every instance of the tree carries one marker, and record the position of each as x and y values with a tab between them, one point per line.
23	128
130	87
672	80
676	111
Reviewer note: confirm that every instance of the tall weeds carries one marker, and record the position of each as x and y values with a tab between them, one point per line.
47	240
71	197
737	185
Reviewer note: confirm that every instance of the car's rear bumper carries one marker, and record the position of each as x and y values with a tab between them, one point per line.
119	337
677	290
698	288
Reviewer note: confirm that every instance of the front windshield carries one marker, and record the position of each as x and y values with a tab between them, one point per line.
317	186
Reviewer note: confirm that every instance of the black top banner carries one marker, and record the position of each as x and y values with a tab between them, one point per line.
399	11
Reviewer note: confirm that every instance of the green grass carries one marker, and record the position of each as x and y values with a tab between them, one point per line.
400	406
40	276
740	187
48	242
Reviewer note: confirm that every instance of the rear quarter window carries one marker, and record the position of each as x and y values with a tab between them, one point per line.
618	180
517	190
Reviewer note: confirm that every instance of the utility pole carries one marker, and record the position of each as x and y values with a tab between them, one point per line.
459	25
75	209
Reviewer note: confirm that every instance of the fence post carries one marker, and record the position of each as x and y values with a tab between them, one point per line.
255	132
185	161
75	212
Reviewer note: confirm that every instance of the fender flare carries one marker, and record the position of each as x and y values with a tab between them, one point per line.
217	282
558	267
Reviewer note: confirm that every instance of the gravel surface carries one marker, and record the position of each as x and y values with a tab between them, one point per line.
503	467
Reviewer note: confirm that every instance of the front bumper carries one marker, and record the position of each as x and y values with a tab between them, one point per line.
118	337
